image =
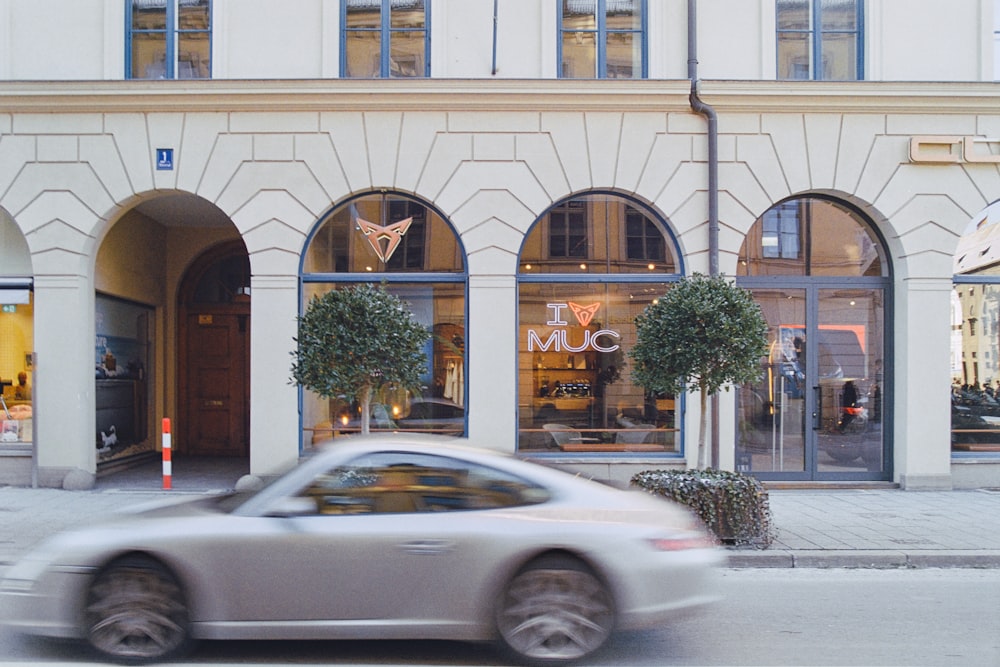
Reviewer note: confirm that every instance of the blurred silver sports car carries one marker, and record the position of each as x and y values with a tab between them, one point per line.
379	537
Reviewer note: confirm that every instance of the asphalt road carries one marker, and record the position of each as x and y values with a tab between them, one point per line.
801	617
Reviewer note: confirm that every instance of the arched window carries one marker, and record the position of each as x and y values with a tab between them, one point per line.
975	326
588	267
399	241
819	272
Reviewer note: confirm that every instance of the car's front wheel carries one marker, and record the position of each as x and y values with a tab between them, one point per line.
136	613
554	610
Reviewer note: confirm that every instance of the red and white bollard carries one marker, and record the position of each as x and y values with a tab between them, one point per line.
167	471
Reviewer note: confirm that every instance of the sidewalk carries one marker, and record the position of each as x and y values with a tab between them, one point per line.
815	528
880	529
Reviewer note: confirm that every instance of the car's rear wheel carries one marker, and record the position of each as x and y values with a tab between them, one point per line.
554	610
136	613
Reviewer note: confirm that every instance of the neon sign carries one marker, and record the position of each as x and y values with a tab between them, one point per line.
558	340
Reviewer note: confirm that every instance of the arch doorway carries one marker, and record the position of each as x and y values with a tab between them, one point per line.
214	354
820	274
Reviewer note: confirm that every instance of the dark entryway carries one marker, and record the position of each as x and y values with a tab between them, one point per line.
214	354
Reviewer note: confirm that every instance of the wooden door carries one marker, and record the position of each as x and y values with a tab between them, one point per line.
216	372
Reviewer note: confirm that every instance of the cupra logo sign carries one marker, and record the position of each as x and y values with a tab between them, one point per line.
558	340
391	235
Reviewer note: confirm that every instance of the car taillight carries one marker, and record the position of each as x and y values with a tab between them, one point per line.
682	542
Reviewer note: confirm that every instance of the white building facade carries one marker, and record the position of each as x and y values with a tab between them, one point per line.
179	177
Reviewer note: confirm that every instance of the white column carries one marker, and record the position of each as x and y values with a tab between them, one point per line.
64	391
922	384
491	340
274	416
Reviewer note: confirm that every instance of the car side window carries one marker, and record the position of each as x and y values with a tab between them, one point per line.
403	482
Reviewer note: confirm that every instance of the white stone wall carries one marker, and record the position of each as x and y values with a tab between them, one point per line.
906	40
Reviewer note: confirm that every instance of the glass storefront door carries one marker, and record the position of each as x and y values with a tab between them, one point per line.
816	412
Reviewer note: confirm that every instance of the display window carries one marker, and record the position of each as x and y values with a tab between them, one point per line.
17	317
401	243
588	268
975	332
122	358
16	363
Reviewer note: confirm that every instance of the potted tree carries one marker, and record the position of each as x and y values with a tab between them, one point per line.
355	340
704	334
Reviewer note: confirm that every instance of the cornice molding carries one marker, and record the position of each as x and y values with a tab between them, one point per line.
344	95
486	95
851	97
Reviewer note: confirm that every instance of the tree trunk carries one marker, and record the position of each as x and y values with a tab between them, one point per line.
702	428
366	408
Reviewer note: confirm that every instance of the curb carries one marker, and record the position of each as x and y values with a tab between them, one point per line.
864	559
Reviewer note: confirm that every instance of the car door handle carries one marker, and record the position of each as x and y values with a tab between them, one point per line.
427	546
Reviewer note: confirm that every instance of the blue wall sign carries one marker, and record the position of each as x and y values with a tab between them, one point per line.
164	159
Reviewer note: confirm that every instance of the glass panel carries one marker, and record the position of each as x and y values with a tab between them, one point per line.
850	353
771	433
194	45
363	55
839	15
16	363
579	55
149	55
363	39
407	14
794	14
579	39
773	245
192	15
579	14
574	391
383	233
623	15
793	56
839	242
839	53
590	234
122	360
193	56
406	56
624	55
975	368
149	15
407	44
437	405
149	41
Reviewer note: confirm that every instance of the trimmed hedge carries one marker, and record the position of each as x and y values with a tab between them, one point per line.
734	506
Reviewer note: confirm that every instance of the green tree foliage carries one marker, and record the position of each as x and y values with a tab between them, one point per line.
355	340
703	334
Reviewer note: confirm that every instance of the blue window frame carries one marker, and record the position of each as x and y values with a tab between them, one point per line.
602	39
820	39
168	39
385	39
